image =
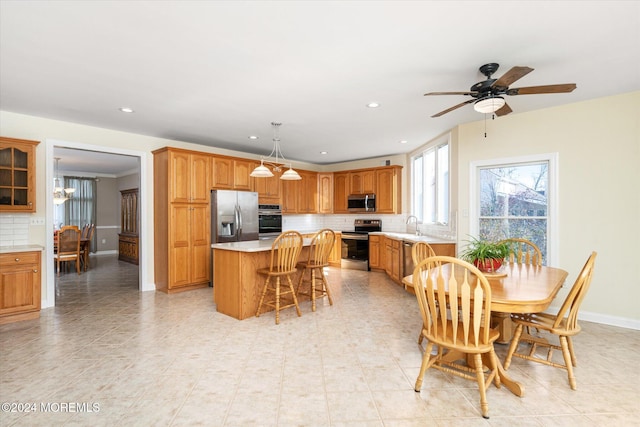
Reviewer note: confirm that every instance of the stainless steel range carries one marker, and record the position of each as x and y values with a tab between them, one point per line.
355	244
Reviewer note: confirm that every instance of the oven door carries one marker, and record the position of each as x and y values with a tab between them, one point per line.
355	252
269	223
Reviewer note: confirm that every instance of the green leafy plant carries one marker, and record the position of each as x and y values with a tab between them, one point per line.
485	255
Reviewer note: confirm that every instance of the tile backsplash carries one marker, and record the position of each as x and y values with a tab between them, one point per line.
14	229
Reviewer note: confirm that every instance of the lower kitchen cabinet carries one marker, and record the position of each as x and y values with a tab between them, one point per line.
374	252
19	286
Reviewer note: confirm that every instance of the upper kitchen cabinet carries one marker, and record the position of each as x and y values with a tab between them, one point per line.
188	174
232	174
325	193
17	175
269	189
341	189
242	179
363	182
389	189
301	196
385	182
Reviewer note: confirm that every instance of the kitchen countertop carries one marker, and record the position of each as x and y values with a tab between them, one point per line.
414	238
251	245
20	248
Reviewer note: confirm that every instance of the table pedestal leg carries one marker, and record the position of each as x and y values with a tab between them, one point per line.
502	322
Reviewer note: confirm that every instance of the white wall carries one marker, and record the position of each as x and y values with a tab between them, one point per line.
598	143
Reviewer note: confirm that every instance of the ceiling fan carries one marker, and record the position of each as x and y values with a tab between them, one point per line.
487	95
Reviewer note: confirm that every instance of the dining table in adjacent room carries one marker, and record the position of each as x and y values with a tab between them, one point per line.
517	288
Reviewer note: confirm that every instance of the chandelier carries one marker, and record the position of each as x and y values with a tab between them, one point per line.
276	165
60	194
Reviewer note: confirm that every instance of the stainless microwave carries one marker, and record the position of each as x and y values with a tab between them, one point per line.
361	203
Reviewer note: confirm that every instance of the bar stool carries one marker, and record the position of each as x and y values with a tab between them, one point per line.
321	246
285	251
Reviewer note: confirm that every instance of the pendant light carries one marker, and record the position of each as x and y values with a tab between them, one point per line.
276	165
60	194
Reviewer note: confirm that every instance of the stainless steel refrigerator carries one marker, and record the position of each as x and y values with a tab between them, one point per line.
234	216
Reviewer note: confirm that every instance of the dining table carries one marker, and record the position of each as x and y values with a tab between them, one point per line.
515	288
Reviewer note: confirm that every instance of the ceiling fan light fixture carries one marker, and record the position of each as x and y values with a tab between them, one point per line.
489	105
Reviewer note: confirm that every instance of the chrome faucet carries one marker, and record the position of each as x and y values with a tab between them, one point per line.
415	219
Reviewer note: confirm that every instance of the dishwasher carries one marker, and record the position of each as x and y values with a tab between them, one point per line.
407	264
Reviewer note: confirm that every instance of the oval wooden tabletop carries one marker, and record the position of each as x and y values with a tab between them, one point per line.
524	289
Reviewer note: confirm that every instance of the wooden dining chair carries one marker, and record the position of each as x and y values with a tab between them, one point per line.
85	243
285	252
462	328
419	252
563	324
523	251
319	251
68	247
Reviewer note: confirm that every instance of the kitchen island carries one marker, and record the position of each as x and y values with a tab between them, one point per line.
236	284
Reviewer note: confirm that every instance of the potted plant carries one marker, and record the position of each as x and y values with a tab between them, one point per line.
485	255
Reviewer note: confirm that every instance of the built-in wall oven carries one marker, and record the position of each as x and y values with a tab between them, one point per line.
355	244
269	221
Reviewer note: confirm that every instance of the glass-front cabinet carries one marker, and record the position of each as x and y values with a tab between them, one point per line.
17	175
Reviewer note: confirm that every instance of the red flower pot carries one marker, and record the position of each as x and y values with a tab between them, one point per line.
488	265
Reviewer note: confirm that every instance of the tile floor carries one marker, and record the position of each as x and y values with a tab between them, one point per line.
150	359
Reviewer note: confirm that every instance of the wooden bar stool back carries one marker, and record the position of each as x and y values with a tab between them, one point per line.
321	246
285	252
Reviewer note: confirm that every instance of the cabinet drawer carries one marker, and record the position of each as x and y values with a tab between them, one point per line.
18	258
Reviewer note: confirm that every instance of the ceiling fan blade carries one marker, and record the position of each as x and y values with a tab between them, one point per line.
454	107
532	90
504	110
450	93
511	76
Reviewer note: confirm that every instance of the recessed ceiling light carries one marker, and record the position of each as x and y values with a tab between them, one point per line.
373	105
403	141
323	152
253	137
126	109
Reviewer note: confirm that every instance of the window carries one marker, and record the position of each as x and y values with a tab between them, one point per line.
516	199
430	184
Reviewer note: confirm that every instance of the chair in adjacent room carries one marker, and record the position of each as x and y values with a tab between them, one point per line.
285	252
319	251
419	252
564	325
461	331
68	247
85	244
523	251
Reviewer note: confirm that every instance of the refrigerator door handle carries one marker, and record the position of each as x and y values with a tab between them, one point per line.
239	211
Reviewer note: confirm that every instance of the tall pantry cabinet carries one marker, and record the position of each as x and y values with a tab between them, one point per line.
181	219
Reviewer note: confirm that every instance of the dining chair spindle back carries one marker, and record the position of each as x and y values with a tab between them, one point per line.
454	298
563	324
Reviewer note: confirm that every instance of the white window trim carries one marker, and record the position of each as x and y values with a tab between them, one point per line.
553	236
440	140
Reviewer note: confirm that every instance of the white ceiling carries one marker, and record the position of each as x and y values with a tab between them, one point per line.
215	72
